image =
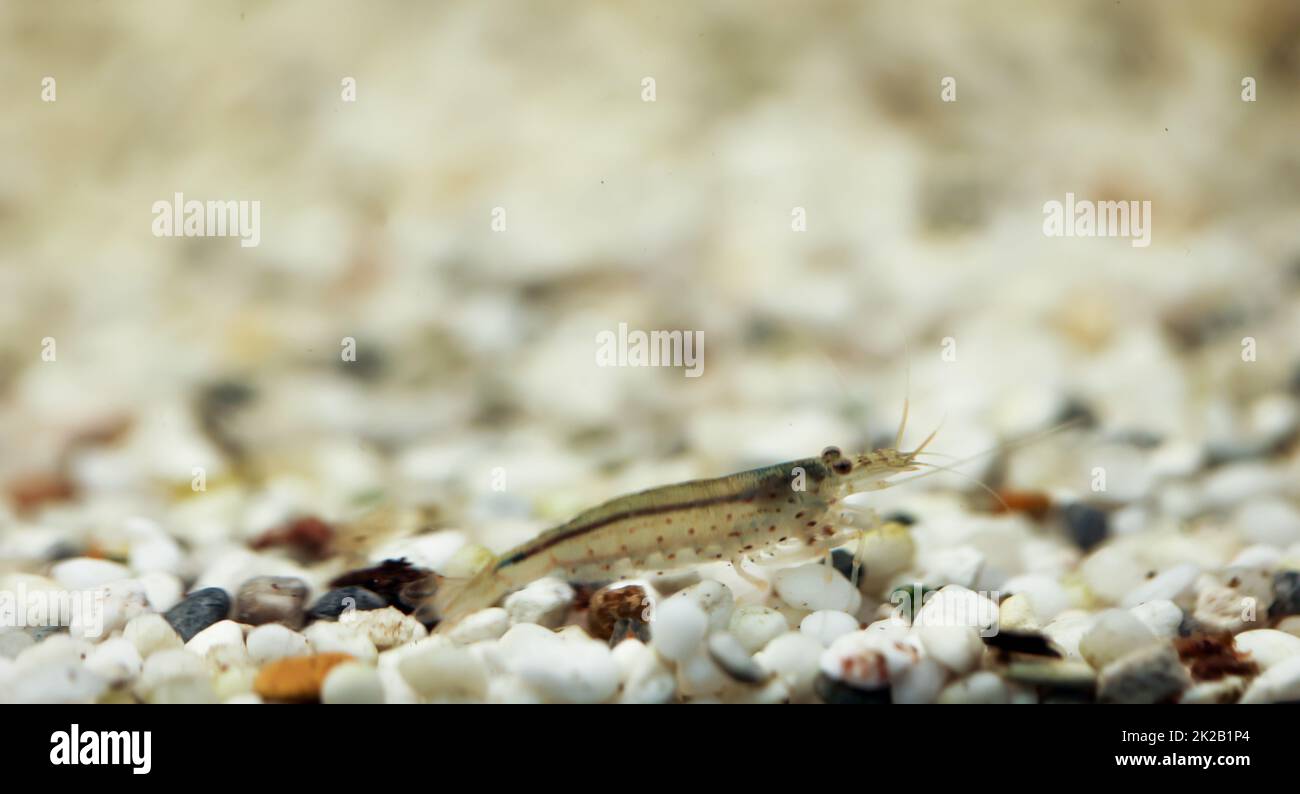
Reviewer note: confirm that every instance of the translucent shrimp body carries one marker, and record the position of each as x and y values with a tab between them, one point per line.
791	510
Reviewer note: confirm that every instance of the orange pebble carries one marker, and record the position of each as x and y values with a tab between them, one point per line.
296	678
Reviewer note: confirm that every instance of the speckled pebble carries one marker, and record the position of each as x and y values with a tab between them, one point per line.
271	599
715	598
816	586
755	626
386	628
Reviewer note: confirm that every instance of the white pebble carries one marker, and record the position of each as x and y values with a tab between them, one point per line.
166	665
1267	647
1259	556
117	661
958	648
755	626
981	687
275	641
816	586
699	676
870	659
677	627
921	683
569	670
646	679
1163	618
825	625
715	598
544	602
223	632
1067	630
162	590
1281	682
1272	522
87	573
1046	595
1111	574
150	633
444	672
486	624
794	658
327	636
1175	584
386	628
1114	634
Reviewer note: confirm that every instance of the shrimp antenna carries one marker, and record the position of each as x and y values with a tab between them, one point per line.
907	390
1004	447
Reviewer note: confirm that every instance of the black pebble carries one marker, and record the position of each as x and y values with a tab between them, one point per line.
842	559
199	610
839	693
1286	594
1027	642
1086	525
332	604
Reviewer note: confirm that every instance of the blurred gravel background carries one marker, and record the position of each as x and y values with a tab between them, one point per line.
476	348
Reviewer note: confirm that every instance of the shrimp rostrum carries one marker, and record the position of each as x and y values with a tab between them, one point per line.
789	511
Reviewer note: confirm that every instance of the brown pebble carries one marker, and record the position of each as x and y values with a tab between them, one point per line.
1035	503
296	679
35	490
1213	656
307	538
611	604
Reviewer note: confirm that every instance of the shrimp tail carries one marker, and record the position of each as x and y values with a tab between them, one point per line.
457	597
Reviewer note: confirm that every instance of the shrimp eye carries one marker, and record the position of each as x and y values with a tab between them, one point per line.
842	466
831	454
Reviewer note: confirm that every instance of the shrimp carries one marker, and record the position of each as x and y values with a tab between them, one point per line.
792	511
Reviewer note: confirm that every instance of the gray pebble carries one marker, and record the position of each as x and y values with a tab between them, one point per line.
1150	675
271	599
333	603
1286	594
1086	525
199	610
727	652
